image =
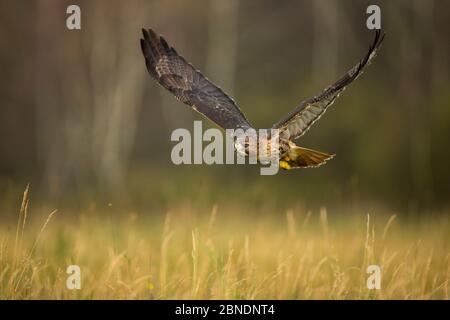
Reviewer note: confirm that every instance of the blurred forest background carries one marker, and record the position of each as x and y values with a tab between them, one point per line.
82	121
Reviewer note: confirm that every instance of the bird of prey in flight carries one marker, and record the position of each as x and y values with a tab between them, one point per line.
191	87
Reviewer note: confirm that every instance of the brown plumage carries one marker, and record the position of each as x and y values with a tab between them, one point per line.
188	85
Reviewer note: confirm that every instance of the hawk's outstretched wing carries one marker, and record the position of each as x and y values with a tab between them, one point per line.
188	85
299	120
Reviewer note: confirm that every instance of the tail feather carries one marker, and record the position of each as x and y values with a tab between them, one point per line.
299	157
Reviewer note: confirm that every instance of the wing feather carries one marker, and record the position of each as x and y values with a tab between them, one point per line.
187	84
299	120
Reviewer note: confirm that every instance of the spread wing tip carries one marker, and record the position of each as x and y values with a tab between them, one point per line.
354	73
373	48
149	33
156	43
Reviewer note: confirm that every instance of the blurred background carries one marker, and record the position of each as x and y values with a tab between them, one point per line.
82	121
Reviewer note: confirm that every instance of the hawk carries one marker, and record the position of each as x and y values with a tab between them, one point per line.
191	87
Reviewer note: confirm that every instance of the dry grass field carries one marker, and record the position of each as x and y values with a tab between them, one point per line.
223	253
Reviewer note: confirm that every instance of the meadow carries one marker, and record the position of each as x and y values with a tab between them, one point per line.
223	252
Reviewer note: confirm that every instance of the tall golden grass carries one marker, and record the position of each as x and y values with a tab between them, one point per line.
224	253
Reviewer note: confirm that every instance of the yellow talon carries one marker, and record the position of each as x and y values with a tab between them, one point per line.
284	165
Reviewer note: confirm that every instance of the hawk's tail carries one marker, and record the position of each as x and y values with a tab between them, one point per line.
299	157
